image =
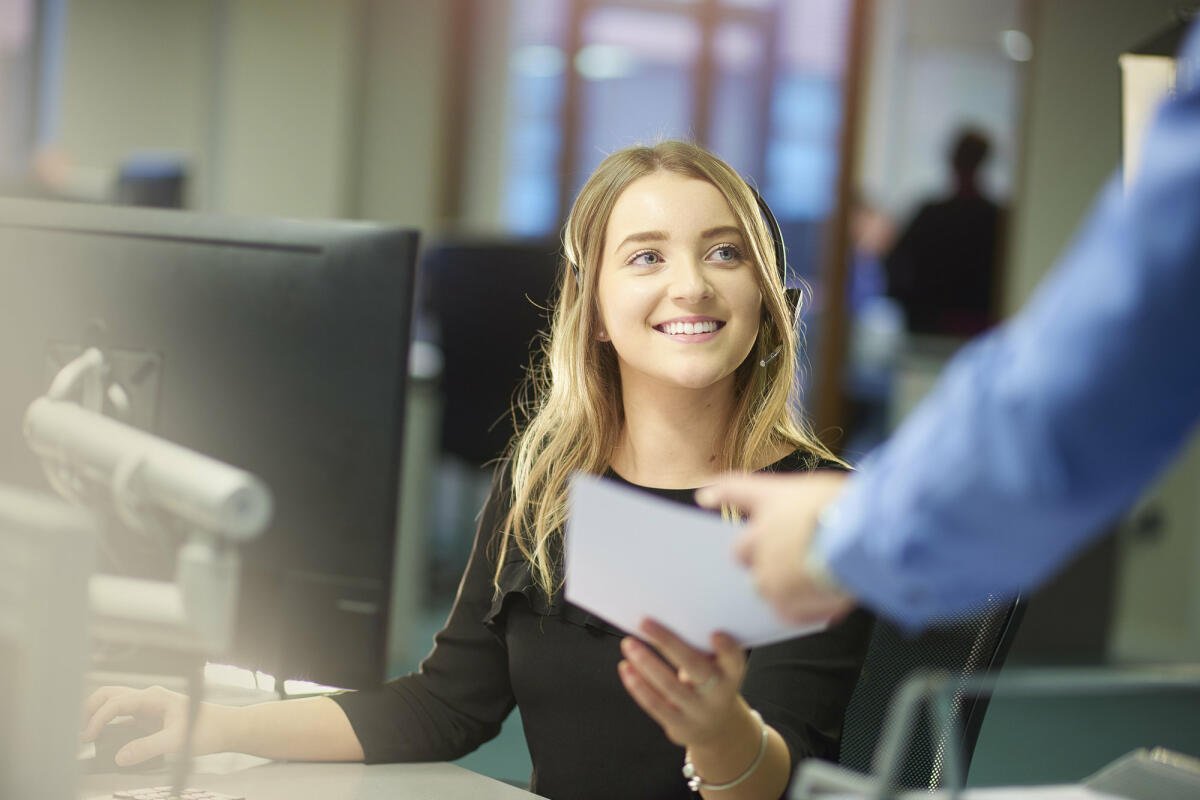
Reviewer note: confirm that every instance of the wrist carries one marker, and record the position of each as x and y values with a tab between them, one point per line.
718	769
726	757
217	729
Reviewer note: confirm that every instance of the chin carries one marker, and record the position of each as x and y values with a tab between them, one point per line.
697	379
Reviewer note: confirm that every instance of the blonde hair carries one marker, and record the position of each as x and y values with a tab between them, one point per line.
572	395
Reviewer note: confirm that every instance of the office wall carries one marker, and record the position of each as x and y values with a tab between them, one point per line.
403	112
307	108
134	77
487	123
1073	125
286	107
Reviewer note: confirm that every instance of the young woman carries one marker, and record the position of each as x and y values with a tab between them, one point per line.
669	360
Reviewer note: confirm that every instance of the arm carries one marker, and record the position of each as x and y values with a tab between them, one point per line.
313	729
457	700
462	691
1036	435
1044	431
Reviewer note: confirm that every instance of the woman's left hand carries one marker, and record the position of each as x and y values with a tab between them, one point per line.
692	694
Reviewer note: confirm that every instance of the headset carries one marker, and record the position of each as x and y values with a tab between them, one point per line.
792	294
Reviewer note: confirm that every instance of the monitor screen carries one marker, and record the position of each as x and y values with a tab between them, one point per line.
277	346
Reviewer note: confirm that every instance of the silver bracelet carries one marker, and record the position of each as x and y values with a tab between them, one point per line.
696	783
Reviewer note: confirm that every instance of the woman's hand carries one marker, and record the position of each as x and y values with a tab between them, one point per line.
158	711
692	694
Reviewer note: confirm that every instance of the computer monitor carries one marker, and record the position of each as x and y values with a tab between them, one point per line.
276	346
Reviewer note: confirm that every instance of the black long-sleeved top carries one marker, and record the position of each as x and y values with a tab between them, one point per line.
587	737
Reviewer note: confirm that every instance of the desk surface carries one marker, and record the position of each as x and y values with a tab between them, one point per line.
269	780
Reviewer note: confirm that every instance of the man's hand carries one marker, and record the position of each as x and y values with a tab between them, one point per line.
783	511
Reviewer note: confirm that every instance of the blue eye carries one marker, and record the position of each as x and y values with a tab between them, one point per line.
646	258
726	252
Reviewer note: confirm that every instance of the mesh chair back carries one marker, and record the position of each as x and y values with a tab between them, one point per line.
963	646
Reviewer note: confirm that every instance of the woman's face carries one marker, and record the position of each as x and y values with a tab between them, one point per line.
678	293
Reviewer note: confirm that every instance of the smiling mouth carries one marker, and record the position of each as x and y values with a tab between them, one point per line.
690	328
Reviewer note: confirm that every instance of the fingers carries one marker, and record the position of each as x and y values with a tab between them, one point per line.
106	705
652	701
93	704
113	701
742	492
698	664
655	672
693	701
151	708
744	545
696	673
730	657
145	748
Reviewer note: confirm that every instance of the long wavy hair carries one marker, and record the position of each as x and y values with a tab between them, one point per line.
569	412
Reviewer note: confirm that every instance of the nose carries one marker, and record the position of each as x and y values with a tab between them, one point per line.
689	282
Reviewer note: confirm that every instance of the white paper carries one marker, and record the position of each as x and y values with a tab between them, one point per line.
631	555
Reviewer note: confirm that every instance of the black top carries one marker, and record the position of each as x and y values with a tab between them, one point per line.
587	737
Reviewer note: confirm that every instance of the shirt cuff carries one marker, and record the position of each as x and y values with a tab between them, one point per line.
848	546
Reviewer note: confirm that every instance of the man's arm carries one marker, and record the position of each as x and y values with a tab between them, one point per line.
1040	433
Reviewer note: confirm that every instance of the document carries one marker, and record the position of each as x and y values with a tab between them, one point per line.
631	555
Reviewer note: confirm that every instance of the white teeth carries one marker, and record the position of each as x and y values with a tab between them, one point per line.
674	328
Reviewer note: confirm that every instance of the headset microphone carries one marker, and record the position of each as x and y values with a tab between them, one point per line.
771	357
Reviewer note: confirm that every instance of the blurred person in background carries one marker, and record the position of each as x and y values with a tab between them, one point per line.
942	269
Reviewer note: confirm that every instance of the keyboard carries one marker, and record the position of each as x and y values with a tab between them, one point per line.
164	793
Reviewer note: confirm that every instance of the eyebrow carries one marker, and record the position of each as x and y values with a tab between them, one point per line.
660	236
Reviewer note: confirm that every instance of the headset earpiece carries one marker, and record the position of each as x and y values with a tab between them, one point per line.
776	235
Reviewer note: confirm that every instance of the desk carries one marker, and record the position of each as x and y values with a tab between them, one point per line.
258	779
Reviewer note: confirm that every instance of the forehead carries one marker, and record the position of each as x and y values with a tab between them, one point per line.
667	202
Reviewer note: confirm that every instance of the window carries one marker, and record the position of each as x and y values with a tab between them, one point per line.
756	81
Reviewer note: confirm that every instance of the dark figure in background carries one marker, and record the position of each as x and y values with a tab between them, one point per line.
943	268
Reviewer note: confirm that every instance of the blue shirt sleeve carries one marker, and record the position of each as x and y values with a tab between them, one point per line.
1043	431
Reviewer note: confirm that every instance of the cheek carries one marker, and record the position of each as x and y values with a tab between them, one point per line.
748	303
629	305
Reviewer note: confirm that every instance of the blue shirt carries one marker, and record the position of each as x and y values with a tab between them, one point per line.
1042	432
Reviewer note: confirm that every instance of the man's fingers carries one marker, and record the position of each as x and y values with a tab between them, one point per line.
744	546
742	492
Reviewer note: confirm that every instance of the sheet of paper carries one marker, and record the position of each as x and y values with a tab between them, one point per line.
632	555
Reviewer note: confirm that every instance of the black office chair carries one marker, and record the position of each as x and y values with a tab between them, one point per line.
964	647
